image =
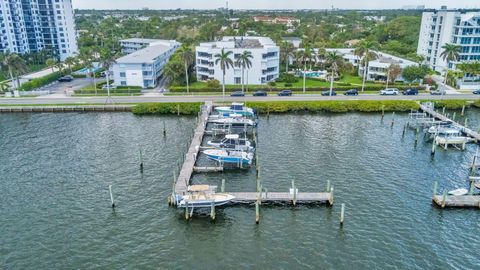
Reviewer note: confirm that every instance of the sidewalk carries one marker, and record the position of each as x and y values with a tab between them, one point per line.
448	89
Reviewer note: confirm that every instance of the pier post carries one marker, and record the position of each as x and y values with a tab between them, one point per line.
443	110
268	112
463	145
416	136
223	186
212	210
383	111
434	146
257	212
328	185
178	109
164	130
342	214
186	211
463	110
444	198
294	190
111	196
393	119
141	161
466	122
403	132
453	115
472	187
330	200
435	186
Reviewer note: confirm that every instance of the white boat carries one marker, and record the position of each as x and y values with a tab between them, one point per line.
236	108
458	192
444	131
203	196
240	158
234	120
232	142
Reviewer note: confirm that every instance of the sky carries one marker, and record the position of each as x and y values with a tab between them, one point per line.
269	4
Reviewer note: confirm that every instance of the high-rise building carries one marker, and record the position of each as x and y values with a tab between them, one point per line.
265	62
34	25
439	27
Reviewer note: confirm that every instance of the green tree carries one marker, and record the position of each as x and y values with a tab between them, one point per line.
365	52
394	71
244	62
188	57
335	61
70	62
51	63
107	59
287	51
304	56
414	73
223	58
472	68
450	53
15	66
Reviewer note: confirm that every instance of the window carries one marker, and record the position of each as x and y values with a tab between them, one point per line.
476	40
465	40
465	49
238	80
476	49
122	74
123	83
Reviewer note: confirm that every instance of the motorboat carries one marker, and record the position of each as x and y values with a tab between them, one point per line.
444	131
236	108
234	120
203	196
232	142
458	192
240	158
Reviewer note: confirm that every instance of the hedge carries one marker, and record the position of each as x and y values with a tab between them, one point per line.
453	104
39	82
337	88
104	91
167	108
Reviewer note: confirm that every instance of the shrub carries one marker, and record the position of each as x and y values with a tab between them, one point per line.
451	104
272	84
287	78
167	108
213	84
39	82
288	85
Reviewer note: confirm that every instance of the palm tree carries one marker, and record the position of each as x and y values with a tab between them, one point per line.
335	61
59	66
107	59
223	58
288	51
70	62
50	62
365	49
15	65
188	58
451	53
244	62
304	56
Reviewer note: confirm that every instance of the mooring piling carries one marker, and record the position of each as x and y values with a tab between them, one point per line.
257	212
463	110
453	115
111	196
178	109
404	129
443	110
164	130
223	186
466	123
212	210
393	119
141	161
434	146
383	111
444	198
294	191
187	216
342	214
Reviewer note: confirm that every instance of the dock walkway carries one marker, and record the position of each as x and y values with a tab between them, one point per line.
66	108
302	197
466	201
429	110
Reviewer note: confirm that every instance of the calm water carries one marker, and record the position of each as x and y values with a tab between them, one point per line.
55	207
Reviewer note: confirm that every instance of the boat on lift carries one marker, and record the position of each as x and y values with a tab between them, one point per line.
458	192
445	131
203	196
232	142
241	158
236	108
234	120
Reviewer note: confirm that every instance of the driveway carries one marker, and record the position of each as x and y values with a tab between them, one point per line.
448	89
61	89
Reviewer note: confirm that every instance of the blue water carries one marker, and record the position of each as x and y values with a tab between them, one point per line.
55	207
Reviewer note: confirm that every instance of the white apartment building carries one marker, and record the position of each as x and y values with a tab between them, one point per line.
439	27
31	26
265	61
143	67
134	44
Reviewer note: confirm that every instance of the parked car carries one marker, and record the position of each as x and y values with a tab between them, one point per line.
476	92
67	78
437	92
285	93
260	94
351	92
237	94
112	87
389	91
410	92
327	93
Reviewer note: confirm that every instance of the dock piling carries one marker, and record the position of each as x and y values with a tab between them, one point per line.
141	161
187	216
404	129
178	109
342	214
212	210
444	198
393	119
330	200
463	110
453	115
383	111
164	130
223	186
111	196
328	185
434	146
257	212
466	122
294	190
443	110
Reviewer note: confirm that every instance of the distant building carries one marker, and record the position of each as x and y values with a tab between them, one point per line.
295	41
143	67
375	18
265	61
31	26
134	44
352	43
285	20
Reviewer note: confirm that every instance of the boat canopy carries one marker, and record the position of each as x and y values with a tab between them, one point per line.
197	188
232	136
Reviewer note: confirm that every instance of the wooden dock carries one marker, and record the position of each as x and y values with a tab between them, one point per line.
187	169
282	197
66	108
430	110
466	201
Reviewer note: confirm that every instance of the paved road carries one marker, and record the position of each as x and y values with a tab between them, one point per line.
142	99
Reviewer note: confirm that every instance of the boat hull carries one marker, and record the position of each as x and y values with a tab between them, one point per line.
217	200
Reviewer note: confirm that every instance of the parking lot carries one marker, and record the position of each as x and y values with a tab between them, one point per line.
68	87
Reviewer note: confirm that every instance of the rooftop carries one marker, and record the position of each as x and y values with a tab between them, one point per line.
140	40
241	43
145	55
